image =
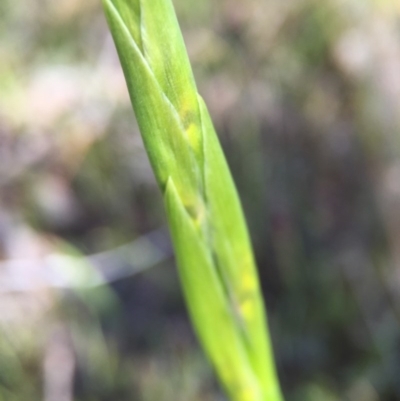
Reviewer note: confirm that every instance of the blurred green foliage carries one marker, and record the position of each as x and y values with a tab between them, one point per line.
305	95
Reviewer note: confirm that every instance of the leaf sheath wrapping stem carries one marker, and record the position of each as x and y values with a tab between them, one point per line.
212	246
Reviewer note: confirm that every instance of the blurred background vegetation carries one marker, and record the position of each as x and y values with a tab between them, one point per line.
305	95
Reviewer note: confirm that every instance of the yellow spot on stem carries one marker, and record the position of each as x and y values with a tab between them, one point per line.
247	308
249	282
247	395
193	134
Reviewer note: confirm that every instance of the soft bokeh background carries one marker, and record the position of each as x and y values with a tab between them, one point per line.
305	95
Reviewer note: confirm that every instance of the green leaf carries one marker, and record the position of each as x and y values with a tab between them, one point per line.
234	257
208	305
165	139
209	233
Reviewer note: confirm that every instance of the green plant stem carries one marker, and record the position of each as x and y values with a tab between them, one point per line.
211	242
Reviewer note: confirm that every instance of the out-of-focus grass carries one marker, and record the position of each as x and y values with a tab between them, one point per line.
306	97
